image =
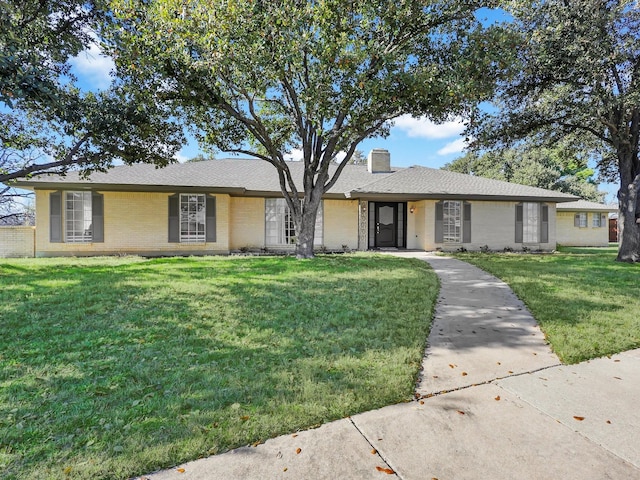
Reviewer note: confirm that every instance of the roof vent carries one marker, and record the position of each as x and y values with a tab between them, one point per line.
379	160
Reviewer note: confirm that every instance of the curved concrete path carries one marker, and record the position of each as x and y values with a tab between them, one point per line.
493	402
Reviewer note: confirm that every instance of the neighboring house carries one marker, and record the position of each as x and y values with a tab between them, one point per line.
583	224
220	206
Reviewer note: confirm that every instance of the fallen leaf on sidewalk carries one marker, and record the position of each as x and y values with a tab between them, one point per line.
298	450
609	422
452	366
578	418
388	471
374	452
180	470
460	412
464	374
497	399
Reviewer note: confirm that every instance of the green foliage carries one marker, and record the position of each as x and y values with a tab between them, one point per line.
46	123
573	76
585	303
551	168
263	78
116	367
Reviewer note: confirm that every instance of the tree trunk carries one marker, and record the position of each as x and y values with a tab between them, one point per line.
628	211
306	228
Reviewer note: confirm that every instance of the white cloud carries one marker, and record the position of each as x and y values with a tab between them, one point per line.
340	156
295	155
456	146
93	66
423	127
180	157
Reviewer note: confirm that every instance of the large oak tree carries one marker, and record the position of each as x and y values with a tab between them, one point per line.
47	123
560	169
264	77
575	76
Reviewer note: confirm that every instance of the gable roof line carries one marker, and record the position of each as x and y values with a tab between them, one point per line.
253	177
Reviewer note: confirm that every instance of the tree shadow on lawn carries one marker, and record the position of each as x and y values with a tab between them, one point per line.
118	370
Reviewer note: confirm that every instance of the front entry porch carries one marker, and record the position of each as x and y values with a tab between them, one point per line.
387	225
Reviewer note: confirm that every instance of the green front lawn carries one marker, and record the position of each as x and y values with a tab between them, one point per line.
586	303
114	367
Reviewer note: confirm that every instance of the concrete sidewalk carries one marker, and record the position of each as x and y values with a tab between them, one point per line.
494	402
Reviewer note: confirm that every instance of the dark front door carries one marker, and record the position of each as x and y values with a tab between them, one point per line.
386	224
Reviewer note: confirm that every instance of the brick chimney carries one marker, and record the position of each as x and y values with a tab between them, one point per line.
379	160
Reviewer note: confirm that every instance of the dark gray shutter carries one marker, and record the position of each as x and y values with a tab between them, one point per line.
519	224
544	224
211	218
55	217
439	218
97	217
576	220
466	223
174	218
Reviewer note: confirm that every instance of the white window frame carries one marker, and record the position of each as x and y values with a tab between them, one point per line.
451	221
596	221
193	218
583	219
279	226
78	217
530	222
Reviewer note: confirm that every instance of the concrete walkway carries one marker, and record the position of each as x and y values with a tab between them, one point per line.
493	403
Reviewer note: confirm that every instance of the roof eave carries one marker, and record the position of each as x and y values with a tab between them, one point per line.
455	196
110	187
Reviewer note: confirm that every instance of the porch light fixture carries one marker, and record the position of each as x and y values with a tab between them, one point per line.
412	209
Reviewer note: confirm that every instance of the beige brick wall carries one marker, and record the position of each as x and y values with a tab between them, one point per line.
492	224
340	224
416	229
17	242
134	222
590	236
247	223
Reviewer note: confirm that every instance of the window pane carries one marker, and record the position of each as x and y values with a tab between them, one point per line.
192	218
451	221
531	223
280	228
78	213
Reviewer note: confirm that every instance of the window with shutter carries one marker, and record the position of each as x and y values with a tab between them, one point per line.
192	218
78	217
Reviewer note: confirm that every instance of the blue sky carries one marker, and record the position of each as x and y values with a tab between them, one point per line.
413	141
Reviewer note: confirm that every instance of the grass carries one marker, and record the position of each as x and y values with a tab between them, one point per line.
115	367
586	303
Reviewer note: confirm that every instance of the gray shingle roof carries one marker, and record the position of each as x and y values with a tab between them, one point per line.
246	177
583	205
238	175
423	182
